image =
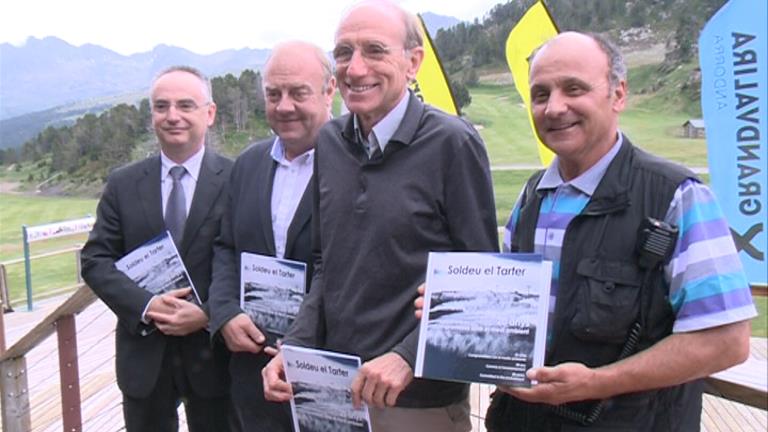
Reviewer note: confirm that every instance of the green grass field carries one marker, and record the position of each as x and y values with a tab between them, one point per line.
760	324
505	128
502	122
506	188
47	273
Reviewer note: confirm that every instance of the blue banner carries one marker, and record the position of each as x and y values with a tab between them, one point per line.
732	52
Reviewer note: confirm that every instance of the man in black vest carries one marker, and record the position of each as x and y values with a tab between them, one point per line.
631	332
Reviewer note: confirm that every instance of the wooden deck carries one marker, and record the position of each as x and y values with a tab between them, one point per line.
722	415
102	407
101	399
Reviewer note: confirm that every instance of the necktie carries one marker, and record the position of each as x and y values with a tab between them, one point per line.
374	151
176	207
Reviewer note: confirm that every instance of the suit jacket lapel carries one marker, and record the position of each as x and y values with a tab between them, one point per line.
263	189
148	191
208	187
300	218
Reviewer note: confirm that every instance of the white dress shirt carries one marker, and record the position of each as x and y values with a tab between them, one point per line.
291	179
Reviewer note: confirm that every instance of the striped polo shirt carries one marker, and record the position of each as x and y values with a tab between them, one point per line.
707	284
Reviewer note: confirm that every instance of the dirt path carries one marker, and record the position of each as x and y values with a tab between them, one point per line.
9	187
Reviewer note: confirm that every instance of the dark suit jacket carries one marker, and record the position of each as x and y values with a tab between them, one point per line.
129	214
247	227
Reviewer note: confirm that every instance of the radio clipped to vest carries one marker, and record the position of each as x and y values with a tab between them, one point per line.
655	242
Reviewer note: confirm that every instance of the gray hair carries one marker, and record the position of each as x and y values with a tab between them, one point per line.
413	36
206	83
617	69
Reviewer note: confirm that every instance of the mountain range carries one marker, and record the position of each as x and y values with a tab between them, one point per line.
51	82
48	72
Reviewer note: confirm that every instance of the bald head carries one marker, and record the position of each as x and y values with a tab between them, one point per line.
585	43
303	49
406	22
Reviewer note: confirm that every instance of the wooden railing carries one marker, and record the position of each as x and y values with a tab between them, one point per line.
5	291
16	415
746	383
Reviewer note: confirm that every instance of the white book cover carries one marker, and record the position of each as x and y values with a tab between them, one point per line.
271	290
157	267
322	395
485	317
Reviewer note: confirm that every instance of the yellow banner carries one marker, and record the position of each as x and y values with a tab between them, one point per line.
431	85
533	29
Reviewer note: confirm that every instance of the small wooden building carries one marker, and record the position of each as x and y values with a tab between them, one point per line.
694	128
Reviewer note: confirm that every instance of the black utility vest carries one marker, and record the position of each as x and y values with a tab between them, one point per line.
599	298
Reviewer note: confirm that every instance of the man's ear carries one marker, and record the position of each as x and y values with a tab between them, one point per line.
619	95
211	113
415	57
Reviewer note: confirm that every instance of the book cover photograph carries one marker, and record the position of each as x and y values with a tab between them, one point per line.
156	266
322	395
271	290
485	317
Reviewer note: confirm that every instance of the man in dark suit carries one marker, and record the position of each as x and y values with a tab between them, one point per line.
269	214
164	354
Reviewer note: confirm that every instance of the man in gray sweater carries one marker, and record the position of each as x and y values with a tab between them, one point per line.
394	180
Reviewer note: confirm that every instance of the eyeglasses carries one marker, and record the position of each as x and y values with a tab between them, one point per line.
184	105
369	51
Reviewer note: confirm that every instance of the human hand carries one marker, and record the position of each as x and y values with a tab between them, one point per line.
380	381
160	303
276	387
419	302
566	382
273	350
174	316
241	335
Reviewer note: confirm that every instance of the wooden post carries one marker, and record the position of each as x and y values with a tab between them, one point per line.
3	302
15	395
69	375
2	330
4	290
78	266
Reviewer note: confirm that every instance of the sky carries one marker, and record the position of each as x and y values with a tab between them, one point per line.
128	27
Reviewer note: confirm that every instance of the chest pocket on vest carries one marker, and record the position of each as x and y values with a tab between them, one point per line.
607	301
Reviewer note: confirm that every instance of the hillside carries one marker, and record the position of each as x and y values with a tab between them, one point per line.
663	33
75	159
675	23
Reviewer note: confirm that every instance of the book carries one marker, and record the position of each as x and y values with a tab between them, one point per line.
271	290
322	395
485	317
157	267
